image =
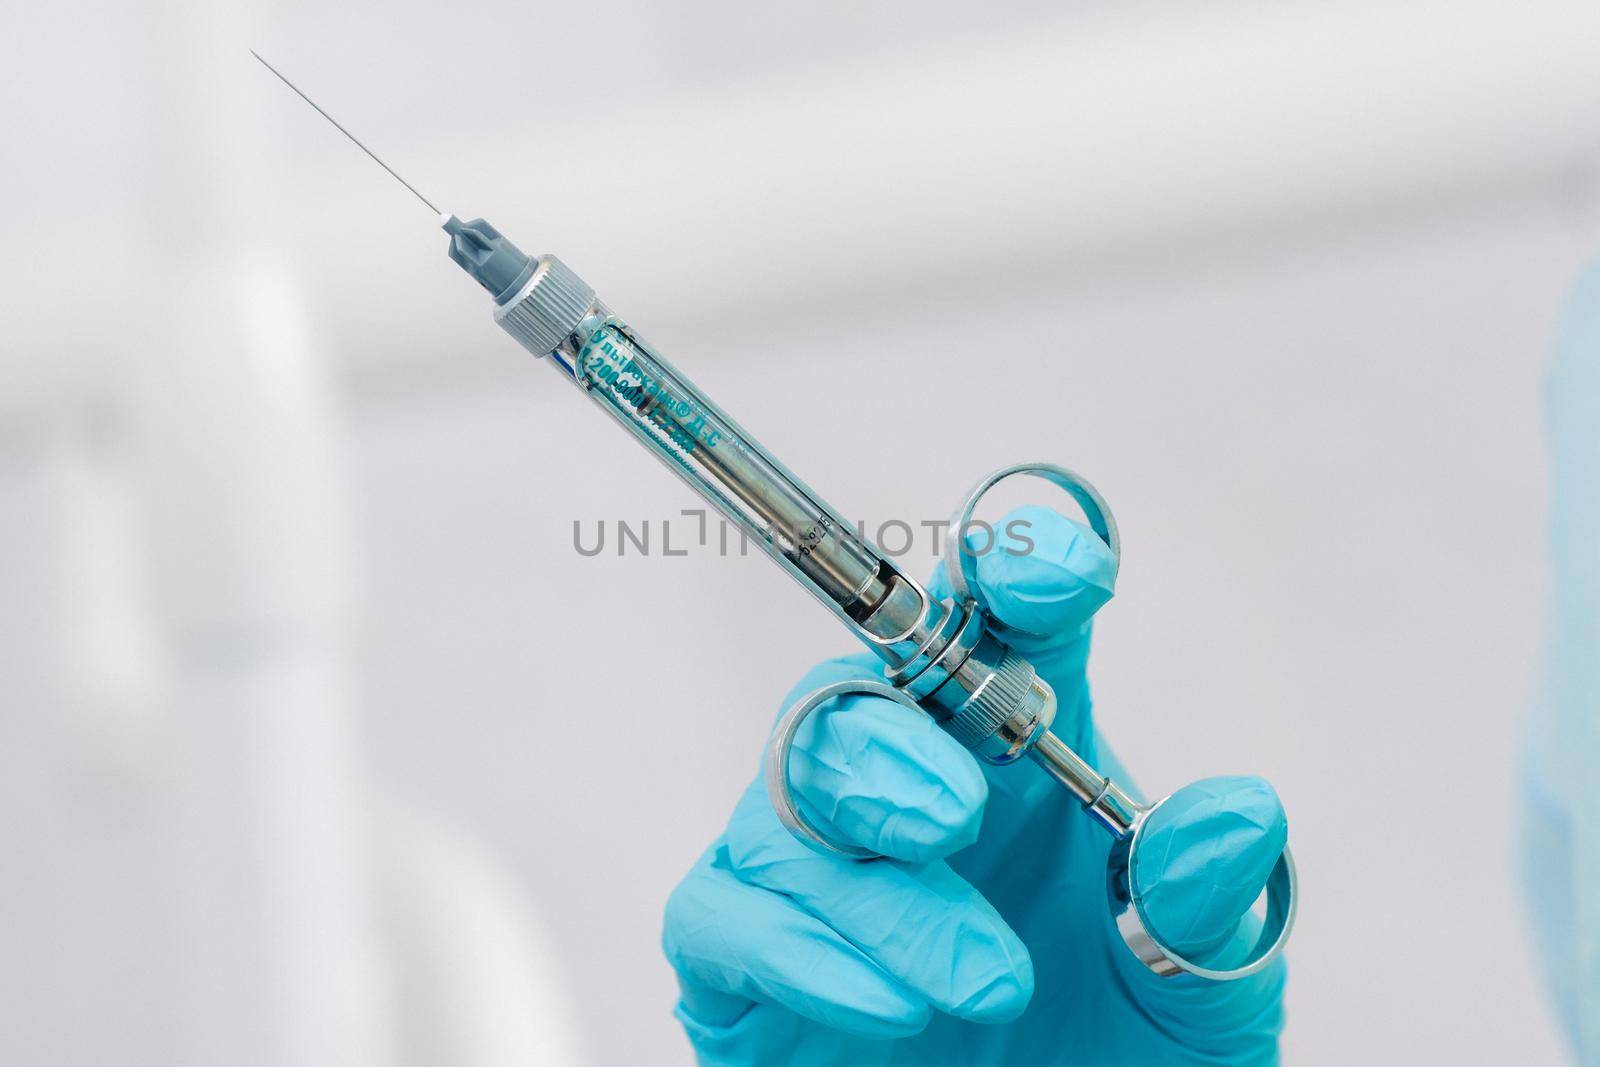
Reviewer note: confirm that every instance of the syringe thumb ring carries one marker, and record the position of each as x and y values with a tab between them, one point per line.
1126	900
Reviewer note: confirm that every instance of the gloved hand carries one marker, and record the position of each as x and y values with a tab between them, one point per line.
985	938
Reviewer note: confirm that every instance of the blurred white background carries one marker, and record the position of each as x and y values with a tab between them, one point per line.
322	745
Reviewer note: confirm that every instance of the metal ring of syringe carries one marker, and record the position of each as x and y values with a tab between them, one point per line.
961	565
776	763
1127	910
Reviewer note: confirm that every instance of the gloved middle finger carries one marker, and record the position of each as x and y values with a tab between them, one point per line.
879	775
921	923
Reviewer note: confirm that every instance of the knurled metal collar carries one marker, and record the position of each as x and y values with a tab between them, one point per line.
997	699
548	308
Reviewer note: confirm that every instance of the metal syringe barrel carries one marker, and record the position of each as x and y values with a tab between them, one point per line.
554	312
983	693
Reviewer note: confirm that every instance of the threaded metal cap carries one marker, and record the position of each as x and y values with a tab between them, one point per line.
548	308
996	700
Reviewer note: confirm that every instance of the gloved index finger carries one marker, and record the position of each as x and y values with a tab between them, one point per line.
880	775
925	926
1045	576
1039	571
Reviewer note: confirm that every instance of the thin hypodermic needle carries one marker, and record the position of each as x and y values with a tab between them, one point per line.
347	133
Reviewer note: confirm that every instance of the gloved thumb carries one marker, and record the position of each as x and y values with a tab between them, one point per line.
1204	857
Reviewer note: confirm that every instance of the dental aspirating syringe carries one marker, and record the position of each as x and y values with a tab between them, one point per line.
949	659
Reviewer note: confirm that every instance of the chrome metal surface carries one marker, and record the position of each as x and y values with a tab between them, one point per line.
993	702
927	666
1070	769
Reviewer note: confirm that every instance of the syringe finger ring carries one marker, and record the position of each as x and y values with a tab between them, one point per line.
776	764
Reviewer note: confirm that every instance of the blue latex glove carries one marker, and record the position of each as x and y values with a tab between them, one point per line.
986	938
1561	822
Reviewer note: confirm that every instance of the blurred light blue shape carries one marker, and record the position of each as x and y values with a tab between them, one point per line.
1561	824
